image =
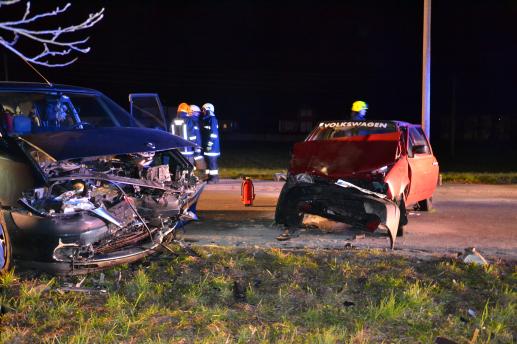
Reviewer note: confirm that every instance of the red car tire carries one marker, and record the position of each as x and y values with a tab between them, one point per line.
426	204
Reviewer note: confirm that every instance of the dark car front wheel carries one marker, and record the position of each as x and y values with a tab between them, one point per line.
5	247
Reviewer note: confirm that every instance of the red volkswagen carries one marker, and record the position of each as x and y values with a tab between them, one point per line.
363	173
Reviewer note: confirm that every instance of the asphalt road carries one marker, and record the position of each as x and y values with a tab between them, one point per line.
481	216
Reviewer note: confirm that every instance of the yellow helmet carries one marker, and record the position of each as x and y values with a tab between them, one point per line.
359	105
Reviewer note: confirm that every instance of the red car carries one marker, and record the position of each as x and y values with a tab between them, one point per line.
363	173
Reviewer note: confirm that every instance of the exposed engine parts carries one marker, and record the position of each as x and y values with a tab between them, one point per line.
122	200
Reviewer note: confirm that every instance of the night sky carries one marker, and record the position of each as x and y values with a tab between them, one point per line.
258	61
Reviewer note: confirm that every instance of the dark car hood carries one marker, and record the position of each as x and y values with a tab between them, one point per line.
344	158
72	144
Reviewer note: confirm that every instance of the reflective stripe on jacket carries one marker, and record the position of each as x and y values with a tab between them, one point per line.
210	135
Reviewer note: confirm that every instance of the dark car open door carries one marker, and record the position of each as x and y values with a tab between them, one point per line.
147	111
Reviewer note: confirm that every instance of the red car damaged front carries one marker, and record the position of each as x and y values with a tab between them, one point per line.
354	172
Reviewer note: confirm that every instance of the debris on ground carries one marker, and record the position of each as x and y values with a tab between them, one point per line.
80	283
443	340
359	236
78	286
472	313
347	303
471	256
186	247
257	282
63	290
474	338
119	279
239	292
41	288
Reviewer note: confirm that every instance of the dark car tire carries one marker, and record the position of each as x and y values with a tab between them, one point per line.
403	217
426	204
5	247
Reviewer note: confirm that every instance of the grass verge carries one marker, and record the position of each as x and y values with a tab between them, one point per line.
480	177
263	296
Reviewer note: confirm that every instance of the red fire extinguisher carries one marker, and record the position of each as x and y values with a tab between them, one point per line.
247	192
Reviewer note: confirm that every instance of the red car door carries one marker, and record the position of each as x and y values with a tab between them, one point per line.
423	166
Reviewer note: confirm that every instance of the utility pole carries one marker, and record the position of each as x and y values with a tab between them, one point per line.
426	70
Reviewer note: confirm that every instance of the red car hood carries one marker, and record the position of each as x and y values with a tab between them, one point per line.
340	158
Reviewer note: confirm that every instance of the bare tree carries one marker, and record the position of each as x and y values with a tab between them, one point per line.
53	42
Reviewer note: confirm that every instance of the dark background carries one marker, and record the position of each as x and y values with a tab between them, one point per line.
260	62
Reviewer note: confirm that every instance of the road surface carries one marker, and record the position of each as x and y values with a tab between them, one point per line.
481	216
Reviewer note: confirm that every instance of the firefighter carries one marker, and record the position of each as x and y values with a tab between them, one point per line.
179	128
358	111
210	142
194	135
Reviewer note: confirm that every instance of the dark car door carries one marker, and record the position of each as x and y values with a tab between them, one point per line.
147	111
422	164
16	173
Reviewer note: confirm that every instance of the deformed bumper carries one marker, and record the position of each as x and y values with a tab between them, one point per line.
95	263
48	245
351	205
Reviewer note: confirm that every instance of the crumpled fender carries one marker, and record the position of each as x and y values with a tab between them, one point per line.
397	178
303	194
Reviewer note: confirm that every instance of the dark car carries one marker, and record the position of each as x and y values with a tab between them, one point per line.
362	173
82	186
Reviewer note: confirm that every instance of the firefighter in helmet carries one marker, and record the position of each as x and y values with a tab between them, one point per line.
194	135
210	142
358	111
179	128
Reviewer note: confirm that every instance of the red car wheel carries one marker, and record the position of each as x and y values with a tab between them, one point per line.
426	204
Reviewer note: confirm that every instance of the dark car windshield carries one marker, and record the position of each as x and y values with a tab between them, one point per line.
27	112
334	130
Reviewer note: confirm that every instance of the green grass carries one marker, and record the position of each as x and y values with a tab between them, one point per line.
252	172
258	161
290	297
480	177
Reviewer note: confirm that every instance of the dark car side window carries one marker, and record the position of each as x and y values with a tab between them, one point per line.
417	142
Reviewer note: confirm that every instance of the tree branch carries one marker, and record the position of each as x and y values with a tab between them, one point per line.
52	40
